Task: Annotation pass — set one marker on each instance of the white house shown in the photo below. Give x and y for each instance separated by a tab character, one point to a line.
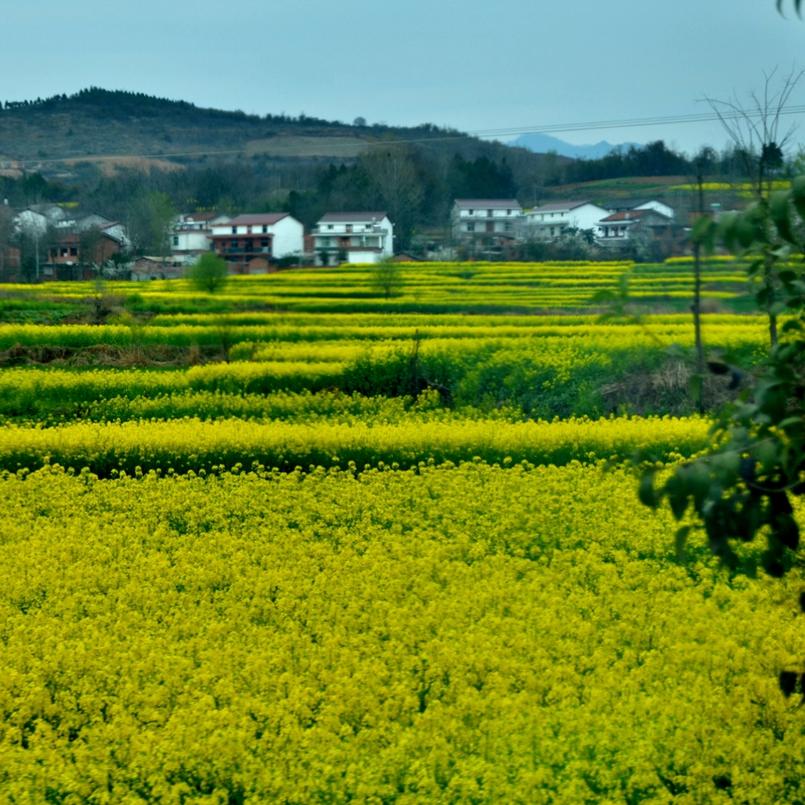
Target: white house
353	237
551	221
192	233
248	239
485	216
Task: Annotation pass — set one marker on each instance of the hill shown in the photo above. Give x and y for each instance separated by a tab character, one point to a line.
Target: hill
114	129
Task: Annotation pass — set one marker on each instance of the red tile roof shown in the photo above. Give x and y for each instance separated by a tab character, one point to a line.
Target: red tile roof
624	215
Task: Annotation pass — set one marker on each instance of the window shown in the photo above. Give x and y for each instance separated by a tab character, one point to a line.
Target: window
470	227
234	243
507	226
349	227
265	228
329	226
175	240
234	230
470	212
489	213
264	242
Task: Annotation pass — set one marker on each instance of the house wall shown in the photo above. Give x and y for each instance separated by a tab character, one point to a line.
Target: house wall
475	213
191	241
379	232
289	237
356	256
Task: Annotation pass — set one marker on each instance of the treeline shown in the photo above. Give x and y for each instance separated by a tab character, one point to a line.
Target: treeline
652	159
117	104
416	187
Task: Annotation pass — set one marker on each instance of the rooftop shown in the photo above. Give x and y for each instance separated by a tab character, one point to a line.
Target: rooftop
264	219
351	217
488	203
559	206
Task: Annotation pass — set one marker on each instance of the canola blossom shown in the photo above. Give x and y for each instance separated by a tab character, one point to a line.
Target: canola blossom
301	543
188	444
447	635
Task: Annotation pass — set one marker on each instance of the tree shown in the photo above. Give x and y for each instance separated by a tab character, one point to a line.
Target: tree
150	216
746	484
398	184
754	128
209	273
756	135
387	278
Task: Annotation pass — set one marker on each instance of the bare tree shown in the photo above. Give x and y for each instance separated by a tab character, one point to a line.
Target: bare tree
755	131
755	127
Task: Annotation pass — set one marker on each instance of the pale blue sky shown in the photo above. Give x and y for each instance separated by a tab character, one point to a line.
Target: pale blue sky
472	65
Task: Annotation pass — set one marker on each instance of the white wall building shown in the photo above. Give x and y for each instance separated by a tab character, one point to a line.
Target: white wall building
551	221
270	236
192	233
353	237
474	217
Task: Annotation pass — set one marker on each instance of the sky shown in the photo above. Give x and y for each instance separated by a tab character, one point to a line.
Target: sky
474	65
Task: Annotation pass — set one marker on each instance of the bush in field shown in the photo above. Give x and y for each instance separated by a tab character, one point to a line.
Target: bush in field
209	273
387	278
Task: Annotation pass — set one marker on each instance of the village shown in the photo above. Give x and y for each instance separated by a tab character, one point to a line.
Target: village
53	242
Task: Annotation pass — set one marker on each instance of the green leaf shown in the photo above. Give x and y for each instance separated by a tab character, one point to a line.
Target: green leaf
798	194
646	492
780	210
678	497
680	538
788	682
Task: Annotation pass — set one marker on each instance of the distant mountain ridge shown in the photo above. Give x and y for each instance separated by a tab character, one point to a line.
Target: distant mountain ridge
110	128
543	143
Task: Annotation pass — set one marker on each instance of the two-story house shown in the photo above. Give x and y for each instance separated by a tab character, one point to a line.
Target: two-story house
353	237
191	234
474	218
551	221
251	242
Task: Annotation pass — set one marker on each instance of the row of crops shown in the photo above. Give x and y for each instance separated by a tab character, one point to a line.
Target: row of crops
299	542
435	288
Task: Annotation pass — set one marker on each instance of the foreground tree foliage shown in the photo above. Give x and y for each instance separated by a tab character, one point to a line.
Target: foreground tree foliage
745	487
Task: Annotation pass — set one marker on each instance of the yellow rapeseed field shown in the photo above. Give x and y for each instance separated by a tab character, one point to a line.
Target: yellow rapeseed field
469	634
